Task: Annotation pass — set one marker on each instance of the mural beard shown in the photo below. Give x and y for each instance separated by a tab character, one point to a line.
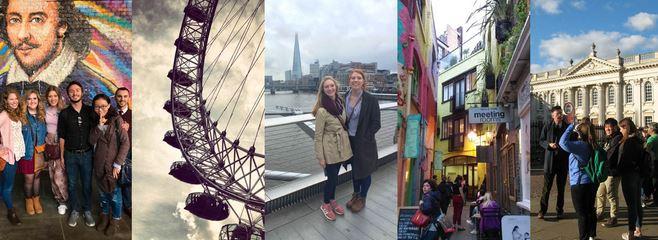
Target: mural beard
30	66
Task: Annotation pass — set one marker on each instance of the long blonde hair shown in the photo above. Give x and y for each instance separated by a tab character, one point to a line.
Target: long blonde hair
60	101
321	94
41	110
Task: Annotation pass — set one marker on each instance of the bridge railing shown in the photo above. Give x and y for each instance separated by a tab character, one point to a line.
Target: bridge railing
301	186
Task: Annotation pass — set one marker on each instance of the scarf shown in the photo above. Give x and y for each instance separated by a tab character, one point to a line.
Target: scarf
335	107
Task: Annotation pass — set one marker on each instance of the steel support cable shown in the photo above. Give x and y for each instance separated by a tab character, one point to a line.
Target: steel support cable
236	54
242	87
251	113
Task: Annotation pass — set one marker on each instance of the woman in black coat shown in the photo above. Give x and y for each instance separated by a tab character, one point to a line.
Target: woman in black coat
363	121
630	153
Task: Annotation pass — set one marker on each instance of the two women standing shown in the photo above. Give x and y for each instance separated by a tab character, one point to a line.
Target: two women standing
345	132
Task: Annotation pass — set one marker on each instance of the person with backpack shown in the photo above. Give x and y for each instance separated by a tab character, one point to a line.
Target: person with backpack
630	167
555	162
609	190
651	148
580	142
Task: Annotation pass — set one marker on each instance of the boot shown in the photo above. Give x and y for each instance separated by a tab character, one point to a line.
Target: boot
37	205
358	204
29	206
103	221
13	217
351	201
112	228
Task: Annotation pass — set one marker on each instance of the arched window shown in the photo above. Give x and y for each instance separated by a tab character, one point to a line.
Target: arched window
595	97
611	95
648	93
565	98
553	99
629	93
579	98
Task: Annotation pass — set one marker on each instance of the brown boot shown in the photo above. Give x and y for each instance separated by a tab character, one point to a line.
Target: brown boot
37	205
112	228
351	201
358	204
13	217
29	206
103	221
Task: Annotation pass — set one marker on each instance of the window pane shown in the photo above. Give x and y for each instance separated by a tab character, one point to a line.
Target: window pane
611	95
629	93
595	97
648	94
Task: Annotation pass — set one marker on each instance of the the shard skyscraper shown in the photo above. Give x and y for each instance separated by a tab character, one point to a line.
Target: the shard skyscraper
296	62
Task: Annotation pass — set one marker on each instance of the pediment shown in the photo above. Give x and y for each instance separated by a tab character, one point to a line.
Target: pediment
592	65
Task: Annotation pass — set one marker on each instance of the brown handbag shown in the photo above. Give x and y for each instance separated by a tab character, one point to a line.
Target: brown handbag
38	158
52	152
419	219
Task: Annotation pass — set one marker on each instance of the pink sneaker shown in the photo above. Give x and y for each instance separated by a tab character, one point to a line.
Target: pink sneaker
337	208
328	213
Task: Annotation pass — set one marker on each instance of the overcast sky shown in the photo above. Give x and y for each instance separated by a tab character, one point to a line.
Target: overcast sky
341	30
159	198
455	14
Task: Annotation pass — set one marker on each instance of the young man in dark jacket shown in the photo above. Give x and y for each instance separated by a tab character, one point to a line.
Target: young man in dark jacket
609	190
555	161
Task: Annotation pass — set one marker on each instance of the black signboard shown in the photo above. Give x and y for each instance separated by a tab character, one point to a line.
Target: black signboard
406	229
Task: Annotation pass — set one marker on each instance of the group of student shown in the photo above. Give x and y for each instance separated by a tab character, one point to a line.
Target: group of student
630	157
484	213
74	143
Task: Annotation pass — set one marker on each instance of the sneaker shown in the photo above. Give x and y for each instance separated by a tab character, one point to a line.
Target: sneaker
328	213
474	232
469	221
337	208
61	209
73	218
627	236
89	220
612	222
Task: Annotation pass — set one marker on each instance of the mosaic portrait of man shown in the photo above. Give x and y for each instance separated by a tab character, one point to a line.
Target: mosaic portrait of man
48	40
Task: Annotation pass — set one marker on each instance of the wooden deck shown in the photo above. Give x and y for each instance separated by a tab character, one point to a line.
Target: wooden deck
304	220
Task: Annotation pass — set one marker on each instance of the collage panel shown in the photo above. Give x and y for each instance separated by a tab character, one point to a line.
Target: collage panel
330	116
56	57
464	115
594	120
201	138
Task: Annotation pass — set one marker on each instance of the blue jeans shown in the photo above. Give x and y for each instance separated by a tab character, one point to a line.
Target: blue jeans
112	199
361	186
78	168
7	183
126	189
331	171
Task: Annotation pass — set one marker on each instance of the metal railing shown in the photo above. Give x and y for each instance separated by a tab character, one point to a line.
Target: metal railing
467	49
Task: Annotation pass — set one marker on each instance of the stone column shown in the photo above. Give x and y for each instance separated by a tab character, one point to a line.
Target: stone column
638	101
572	96
619	102
559	98
586	100
602	103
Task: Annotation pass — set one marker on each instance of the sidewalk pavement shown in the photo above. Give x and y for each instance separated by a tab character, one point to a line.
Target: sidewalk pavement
567	228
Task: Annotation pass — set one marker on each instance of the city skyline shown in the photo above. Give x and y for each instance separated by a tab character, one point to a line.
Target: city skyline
357	31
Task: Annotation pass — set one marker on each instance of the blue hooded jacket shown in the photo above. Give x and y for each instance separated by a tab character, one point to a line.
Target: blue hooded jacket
579	154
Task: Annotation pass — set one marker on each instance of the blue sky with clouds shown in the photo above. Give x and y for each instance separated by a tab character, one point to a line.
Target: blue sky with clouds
563	29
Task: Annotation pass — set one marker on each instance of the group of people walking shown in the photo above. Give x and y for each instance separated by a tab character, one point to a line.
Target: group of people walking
345	135
629	160
485	214
74	143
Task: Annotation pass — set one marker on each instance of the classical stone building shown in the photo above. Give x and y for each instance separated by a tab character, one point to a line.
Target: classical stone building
619	87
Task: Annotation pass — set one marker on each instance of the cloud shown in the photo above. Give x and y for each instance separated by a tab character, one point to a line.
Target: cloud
338	30
549	6
642	21
578	4
556	51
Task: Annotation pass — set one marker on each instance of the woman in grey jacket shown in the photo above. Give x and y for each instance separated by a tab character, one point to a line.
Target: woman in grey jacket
332	144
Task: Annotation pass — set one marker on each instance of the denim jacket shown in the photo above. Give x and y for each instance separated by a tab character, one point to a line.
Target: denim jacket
34	127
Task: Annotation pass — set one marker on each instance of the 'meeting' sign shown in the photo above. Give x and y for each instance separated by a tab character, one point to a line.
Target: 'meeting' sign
488	115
